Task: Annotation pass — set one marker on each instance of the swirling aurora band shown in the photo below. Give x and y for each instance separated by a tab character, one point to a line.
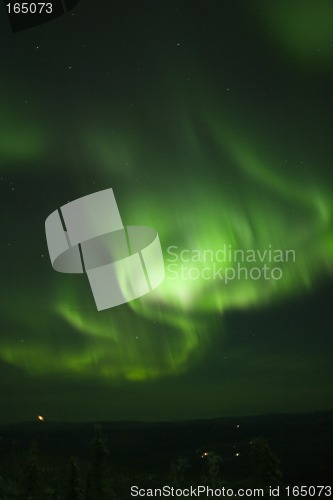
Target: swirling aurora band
175	322
186	160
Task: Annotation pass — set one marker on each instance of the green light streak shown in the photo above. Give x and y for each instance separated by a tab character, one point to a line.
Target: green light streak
238	197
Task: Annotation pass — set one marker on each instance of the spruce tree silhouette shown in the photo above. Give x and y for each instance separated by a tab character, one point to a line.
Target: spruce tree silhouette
75	491
98	477
31	486
266	465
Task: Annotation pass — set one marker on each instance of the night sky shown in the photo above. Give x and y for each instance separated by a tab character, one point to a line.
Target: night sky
212	122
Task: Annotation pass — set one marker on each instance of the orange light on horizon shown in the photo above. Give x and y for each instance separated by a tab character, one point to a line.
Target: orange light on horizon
41	418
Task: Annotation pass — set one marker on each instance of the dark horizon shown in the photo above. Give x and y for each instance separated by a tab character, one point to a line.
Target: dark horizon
295	445
277	415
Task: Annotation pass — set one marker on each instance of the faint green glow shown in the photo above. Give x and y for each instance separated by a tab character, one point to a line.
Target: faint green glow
20	137
24	144
111	152
303	28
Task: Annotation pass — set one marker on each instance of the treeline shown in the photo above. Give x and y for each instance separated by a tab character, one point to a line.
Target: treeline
33	477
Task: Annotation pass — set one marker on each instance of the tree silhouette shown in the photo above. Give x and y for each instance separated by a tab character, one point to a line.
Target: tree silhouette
266	464
178	472
98	479
75	491
212	477
31	487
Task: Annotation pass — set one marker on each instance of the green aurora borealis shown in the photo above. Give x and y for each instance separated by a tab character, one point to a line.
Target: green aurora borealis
212	124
